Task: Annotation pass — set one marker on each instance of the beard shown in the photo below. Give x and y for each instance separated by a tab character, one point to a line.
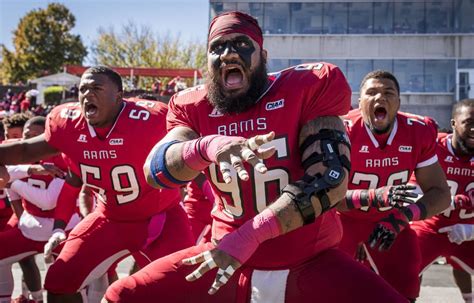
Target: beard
463	148
234	104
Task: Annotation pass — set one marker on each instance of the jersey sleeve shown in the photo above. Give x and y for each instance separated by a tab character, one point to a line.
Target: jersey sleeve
176	115
43	198
427	154
53	131
329	94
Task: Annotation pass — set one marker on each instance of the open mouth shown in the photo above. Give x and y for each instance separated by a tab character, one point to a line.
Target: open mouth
380	113
233	76
90	110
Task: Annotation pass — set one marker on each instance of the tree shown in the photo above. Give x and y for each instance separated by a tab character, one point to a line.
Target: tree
43	44
138	46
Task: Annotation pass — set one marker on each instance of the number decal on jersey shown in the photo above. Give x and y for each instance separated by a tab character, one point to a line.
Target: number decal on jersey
144	103
463	213
124	180
139	114
305	66
68	113
131	191
235	209
411	120
37	183
400	177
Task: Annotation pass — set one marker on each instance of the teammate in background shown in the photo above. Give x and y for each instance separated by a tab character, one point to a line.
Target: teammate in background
198	203
13	125
101	137
253	254
22	242
450	233
13	130
387	146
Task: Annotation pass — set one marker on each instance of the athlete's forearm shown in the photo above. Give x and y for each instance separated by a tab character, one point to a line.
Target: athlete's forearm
26	151
436	194
172	162
289	216
435	201
287	208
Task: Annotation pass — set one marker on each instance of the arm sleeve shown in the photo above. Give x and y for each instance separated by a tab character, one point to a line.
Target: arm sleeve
45	199
18	171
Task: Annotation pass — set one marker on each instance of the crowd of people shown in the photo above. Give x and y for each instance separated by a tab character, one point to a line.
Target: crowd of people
253	187
24	101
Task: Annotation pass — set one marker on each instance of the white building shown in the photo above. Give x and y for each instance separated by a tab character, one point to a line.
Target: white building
428	45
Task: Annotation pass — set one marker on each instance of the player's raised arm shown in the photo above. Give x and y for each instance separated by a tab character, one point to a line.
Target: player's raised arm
168	153
26	151
180	157
326	158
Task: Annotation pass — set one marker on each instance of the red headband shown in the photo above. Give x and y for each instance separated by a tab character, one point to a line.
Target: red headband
235	22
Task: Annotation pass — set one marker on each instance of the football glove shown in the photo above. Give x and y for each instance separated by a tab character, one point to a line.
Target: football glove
56	238
387	229
459	233
392	195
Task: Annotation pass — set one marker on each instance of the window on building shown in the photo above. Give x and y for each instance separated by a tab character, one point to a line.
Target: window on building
465	63
360	18
253	9
220	7
440	75
383	18
386	65
306	18
439	17
409	74
356	70
335	18
294	62
275	65
409	17
276	18
464	21
342	64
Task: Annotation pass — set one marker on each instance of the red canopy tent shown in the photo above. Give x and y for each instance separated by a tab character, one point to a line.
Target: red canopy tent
142	71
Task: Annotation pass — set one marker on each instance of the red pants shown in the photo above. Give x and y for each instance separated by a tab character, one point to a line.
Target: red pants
330	276
97	242
15	247
399	266
434	245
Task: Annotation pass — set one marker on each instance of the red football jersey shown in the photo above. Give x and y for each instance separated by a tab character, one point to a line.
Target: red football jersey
460	175
43	183
295	96
113	166
411	145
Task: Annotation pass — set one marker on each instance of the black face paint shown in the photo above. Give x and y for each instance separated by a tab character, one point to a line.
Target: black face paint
242	45
237	103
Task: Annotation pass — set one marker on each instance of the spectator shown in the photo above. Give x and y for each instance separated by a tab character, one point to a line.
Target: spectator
155	88
25	104
74	91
